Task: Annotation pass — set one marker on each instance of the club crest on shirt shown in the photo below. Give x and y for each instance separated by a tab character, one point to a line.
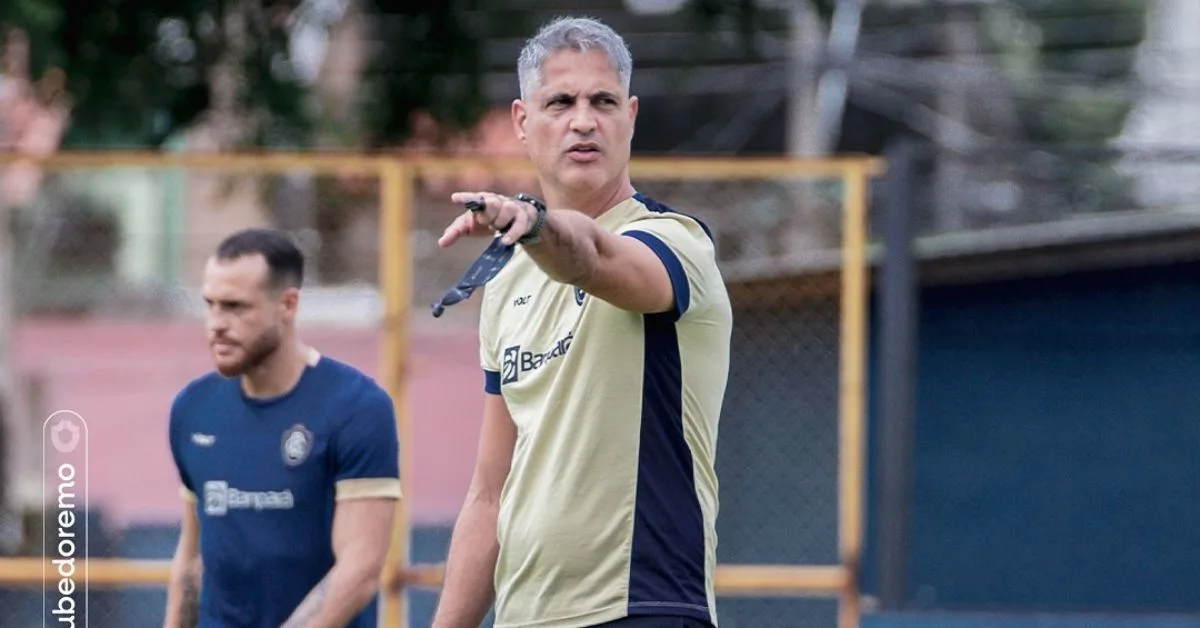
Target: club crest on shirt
580	295
297	443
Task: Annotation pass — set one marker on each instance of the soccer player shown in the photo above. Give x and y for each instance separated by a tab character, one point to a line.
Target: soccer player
289	461
605	349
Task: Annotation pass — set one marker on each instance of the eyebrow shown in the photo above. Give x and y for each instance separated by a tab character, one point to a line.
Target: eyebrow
596	95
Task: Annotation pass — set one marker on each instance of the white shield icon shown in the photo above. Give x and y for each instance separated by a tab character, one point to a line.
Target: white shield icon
64	435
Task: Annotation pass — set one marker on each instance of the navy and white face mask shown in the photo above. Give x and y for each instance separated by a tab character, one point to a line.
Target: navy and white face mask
486	266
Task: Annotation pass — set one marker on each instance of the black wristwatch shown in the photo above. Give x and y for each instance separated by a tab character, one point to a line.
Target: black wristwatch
532	237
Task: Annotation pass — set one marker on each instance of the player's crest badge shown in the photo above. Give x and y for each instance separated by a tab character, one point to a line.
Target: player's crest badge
580	295
297	443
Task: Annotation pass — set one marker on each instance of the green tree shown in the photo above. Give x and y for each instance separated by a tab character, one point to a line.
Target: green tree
140	70
1075	61
40	19
1070	64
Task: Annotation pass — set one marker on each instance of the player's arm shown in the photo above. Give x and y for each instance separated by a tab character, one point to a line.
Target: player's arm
361	532
183	589
468	590
574	249
367	475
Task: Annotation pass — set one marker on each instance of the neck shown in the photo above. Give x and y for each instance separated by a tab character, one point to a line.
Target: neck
592	203
279	373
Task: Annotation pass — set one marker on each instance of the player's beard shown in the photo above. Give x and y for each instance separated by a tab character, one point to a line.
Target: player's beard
257	352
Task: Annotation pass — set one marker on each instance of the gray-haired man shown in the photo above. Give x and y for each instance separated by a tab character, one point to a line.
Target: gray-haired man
605	348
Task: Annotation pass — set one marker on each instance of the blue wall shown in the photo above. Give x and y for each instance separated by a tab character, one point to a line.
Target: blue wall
1058	445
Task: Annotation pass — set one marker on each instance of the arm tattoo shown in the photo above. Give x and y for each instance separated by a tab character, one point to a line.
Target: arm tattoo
189	614
309	607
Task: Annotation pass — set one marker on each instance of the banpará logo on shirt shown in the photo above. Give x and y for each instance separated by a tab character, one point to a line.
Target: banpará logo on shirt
220	498
516	361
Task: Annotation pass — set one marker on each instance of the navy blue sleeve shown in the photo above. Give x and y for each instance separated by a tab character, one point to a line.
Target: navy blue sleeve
491	382
675	270
176	433
367	449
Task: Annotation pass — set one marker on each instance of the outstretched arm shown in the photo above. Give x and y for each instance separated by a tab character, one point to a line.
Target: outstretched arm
361	533
573	248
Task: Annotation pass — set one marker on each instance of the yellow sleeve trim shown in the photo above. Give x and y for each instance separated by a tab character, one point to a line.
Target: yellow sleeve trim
187	495
363	488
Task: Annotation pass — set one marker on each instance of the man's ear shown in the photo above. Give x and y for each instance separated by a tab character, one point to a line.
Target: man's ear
518	119
633	108
290	298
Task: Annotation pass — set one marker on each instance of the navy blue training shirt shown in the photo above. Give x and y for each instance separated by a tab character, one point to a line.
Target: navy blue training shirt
268	474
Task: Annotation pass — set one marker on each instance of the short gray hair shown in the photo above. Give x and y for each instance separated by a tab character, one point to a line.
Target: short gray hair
572	33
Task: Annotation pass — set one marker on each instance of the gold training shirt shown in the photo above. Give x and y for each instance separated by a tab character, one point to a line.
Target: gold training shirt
610	505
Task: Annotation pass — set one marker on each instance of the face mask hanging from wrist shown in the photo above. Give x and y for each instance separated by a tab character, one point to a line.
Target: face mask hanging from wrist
491	261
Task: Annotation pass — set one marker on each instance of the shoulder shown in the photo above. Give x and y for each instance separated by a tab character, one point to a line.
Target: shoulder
199	393
661	219
199	387
686	247
364	417
356	391
195	401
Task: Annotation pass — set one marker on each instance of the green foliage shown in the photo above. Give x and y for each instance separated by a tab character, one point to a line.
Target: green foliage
444	79
1069	62
141	70
40	19
1090	44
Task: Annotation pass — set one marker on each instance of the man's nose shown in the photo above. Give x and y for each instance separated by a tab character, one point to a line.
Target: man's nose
584	120
217	322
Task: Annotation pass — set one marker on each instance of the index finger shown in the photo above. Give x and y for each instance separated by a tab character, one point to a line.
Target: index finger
474	201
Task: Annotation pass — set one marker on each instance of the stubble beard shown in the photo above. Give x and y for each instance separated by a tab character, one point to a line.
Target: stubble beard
257	351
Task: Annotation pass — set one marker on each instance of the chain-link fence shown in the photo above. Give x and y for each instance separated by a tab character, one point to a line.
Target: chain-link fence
778	241
108	263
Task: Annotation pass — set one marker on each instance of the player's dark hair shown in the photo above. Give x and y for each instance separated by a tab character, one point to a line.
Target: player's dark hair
285	262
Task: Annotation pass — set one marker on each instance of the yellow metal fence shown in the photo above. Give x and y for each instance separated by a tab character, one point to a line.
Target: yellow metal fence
798	223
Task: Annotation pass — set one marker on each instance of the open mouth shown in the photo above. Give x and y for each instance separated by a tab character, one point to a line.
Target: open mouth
584	152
